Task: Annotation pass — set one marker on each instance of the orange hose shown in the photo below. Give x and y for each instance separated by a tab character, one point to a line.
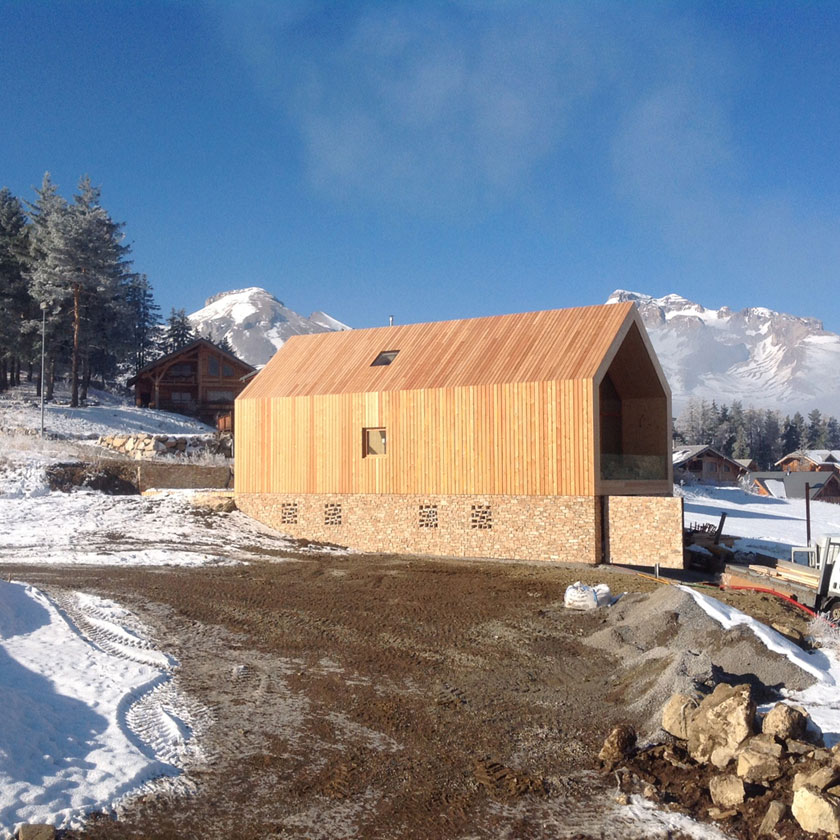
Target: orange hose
777	594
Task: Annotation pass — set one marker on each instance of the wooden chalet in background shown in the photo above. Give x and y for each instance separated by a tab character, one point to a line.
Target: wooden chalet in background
822	487
811	460
707	465
200	380
536	435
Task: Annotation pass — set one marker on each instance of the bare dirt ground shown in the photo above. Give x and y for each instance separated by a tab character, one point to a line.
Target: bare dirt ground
381	697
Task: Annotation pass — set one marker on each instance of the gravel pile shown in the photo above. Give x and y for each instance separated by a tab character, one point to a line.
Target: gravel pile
668	644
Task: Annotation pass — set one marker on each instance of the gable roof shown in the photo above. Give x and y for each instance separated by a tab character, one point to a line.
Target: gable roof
685	454
186	349
551	345
816	456
785	485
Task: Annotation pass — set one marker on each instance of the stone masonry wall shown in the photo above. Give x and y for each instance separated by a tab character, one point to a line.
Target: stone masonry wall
645	530
143	445
565	528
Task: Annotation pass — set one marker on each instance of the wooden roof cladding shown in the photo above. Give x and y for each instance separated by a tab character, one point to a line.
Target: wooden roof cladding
553	345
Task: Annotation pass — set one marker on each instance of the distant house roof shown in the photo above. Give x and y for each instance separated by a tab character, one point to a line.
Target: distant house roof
185	349
684	454
791	485
747	463
560	344
816	456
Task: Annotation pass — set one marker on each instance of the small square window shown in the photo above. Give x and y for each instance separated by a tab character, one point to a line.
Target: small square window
227	370
374	442
384	358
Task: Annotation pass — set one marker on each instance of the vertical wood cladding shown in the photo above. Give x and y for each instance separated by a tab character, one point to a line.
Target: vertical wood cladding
531	438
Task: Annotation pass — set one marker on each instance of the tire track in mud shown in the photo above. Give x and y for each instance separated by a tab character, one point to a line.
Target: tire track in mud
446	701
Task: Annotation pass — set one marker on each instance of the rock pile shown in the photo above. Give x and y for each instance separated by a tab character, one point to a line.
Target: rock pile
144	445
760	777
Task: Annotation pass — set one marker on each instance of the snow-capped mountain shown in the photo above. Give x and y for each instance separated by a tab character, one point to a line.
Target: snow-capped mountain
764	358
255	323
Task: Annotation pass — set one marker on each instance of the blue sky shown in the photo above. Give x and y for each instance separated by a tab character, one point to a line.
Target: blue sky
441	160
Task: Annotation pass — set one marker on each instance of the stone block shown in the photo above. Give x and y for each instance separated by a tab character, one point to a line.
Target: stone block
722	722
816	811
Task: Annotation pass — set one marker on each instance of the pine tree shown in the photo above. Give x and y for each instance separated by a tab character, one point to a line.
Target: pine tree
83	262
15	301
178	332
48	291
143	320
816	430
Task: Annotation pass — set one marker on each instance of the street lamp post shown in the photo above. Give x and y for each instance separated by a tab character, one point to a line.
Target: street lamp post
43	357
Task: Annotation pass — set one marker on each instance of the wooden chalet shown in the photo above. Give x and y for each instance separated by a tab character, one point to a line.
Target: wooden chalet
811	460
510	436
200	380
707	466
822	487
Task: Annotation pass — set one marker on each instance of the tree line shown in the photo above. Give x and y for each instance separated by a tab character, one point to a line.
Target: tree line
761	434
65	270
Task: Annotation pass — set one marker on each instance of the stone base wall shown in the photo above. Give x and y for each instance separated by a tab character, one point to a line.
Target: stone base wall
645	530
566	528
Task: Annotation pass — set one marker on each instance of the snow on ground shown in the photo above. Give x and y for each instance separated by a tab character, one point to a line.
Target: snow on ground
20	409
762	524
90	711
86	526
821	700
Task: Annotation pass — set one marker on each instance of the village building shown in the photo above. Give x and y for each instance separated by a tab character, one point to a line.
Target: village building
543	435
811	460
822	487
706	465
200	380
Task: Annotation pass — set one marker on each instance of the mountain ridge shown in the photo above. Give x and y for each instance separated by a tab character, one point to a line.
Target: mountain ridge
764	358
256	323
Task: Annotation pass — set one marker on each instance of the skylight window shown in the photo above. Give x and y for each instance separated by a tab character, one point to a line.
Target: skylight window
384	358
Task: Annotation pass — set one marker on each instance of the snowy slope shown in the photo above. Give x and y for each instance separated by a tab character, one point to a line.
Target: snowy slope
255	323
90	710
764	358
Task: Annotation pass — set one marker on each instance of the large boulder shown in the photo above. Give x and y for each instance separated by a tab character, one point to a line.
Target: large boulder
727	791
760	759
816	811
785	721
721	724
676	714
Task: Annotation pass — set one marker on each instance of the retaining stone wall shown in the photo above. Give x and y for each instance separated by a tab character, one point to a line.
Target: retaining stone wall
144	445
565	528
646	530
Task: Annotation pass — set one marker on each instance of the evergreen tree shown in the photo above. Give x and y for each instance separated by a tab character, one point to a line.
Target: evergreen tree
83	262
143	320
832	433
816	430
179	331
48	291
15	301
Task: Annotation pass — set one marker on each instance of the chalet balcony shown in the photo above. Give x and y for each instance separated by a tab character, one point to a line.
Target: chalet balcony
634	467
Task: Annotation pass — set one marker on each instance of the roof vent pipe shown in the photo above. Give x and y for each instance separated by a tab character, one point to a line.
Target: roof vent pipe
390	320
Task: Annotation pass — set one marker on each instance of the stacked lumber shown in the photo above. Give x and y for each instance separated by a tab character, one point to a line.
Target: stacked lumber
791	572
